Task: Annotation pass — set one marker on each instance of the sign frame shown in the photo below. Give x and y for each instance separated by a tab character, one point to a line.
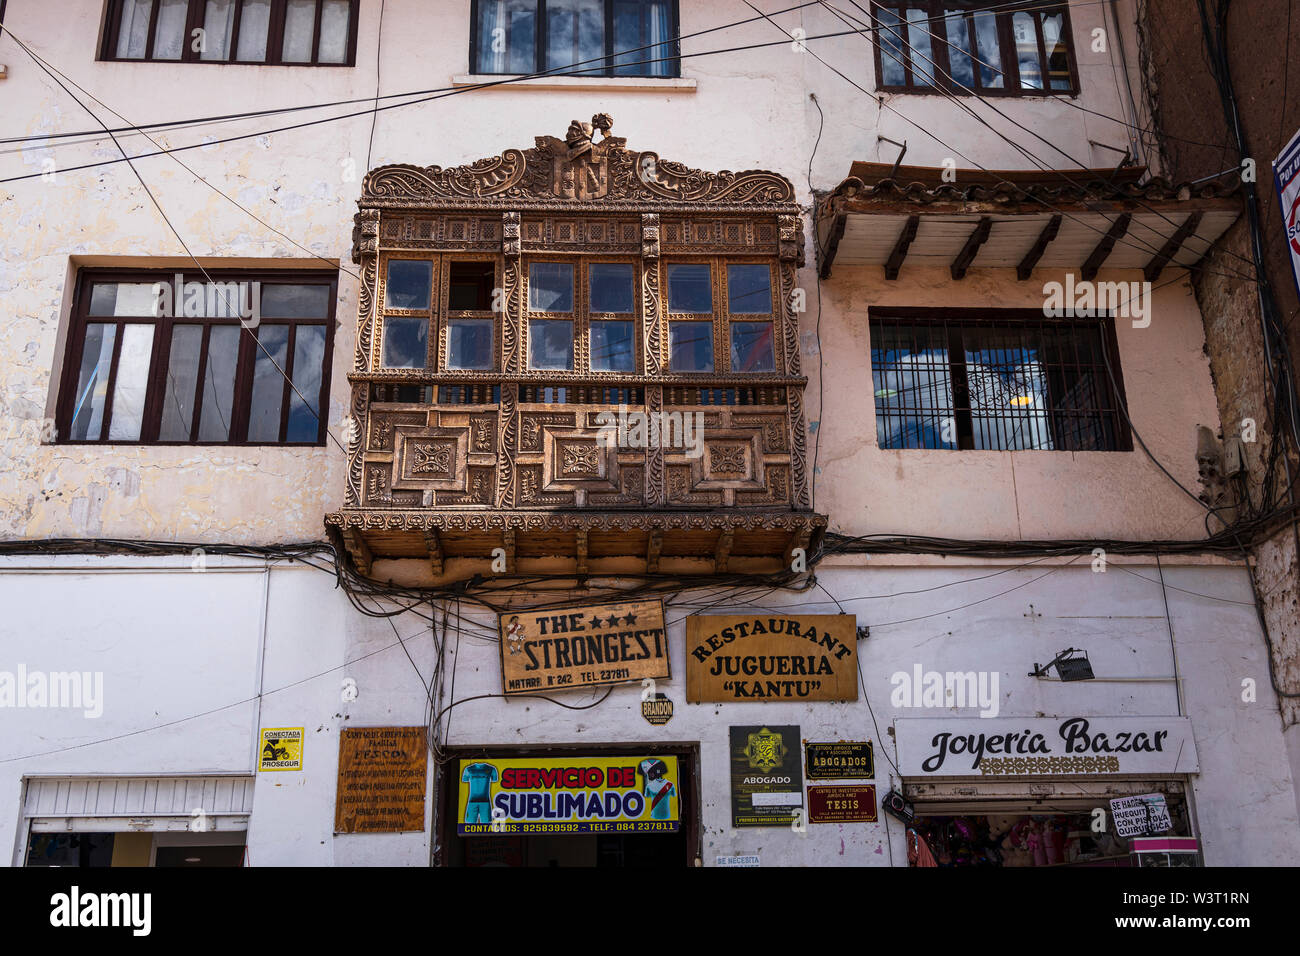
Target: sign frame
515	643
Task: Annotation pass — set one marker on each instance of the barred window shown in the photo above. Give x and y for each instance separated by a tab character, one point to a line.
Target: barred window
1008	380
974	46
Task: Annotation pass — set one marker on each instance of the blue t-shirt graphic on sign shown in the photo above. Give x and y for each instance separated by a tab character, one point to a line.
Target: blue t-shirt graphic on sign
479	776
657	788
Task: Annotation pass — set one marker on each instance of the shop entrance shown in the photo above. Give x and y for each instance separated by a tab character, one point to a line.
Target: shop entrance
990	829
603	806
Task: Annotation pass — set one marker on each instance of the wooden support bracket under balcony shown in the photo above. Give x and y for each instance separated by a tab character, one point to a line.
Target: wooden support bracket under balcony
721	556
434	544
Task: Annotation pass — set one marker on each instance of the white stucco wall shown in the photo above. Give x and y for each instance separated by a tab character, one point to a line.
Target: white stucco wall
173	644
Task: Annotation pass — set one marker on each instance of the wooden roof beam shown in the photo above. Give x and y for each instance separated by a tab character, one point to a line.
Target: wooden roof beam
1170	249
979	235
1045	237
832	244
1098	256
900	247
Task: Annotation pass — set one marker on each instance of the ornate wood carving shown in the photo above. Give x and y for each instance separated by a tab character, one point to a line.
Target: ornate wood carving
580	168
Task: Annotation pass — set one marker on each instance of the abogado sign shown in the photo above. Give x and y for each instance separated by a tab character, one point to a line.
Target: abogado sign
577	794
733	657
583	646
1044	746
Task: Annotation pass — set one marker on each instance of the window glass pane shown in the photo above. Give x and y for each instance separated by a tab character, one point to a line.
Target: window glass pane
133	32
169	35
642	24
749	289
408	284
751	347
131	383
988	50
334	31
1058	56
123	298
218	22
913	387
406	342
469	343
181	382
254	19
550	286
299	25
308	363
612	347
268	383
219	383
892	56
282	301
918	35
575	33
959	62
690	346
1008	389
1025	32
507	36
470	286
690	288
550	344
92	382
610	286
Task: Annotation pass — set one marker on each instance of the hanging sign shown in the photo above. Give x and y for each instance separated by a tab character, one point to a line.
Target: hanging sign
575	794
583	646
657	709
1144	815
842	804
766	776
844	760
1044	746
382	775
806	657
1286	178
281	749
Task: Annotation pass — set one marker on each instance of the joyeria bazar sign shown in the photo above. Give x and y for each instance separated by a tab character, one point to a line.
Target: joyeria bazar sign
1044	746
749	657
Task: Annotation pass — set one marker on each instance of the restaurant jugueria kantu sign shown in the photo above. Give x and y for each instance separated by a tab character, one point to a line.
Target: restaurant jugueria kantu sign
573	794
583	646
752	657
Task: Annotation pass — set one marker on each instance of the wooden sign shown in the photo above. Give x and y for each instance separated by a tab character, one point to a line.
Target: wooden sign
583	646
806	657
842	804
382	773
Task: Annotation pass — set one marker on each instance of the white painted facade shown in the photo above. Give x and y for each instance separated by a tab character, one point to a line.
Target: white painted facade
194	662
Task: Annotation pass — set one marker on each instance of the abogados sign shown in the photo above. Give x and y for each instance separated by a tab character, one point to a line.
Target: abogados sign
750	657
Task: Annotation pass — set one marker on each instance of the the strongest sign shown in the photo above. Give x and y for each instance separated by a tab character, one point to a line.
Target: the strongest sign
583	646
749	657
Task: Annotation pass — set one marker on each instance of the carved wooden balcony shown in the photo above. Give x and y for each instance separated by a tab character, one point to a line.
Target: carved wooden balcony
708	470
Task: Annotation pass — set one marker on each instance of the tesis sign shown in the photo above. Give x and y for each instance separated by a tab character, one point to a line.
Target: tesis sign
1044	746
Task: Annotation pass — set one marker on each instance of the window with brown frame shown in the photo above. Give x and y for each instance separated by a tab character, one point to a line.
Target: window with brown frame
441	312
974	47
1005	380
274	32
721	316
157	357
